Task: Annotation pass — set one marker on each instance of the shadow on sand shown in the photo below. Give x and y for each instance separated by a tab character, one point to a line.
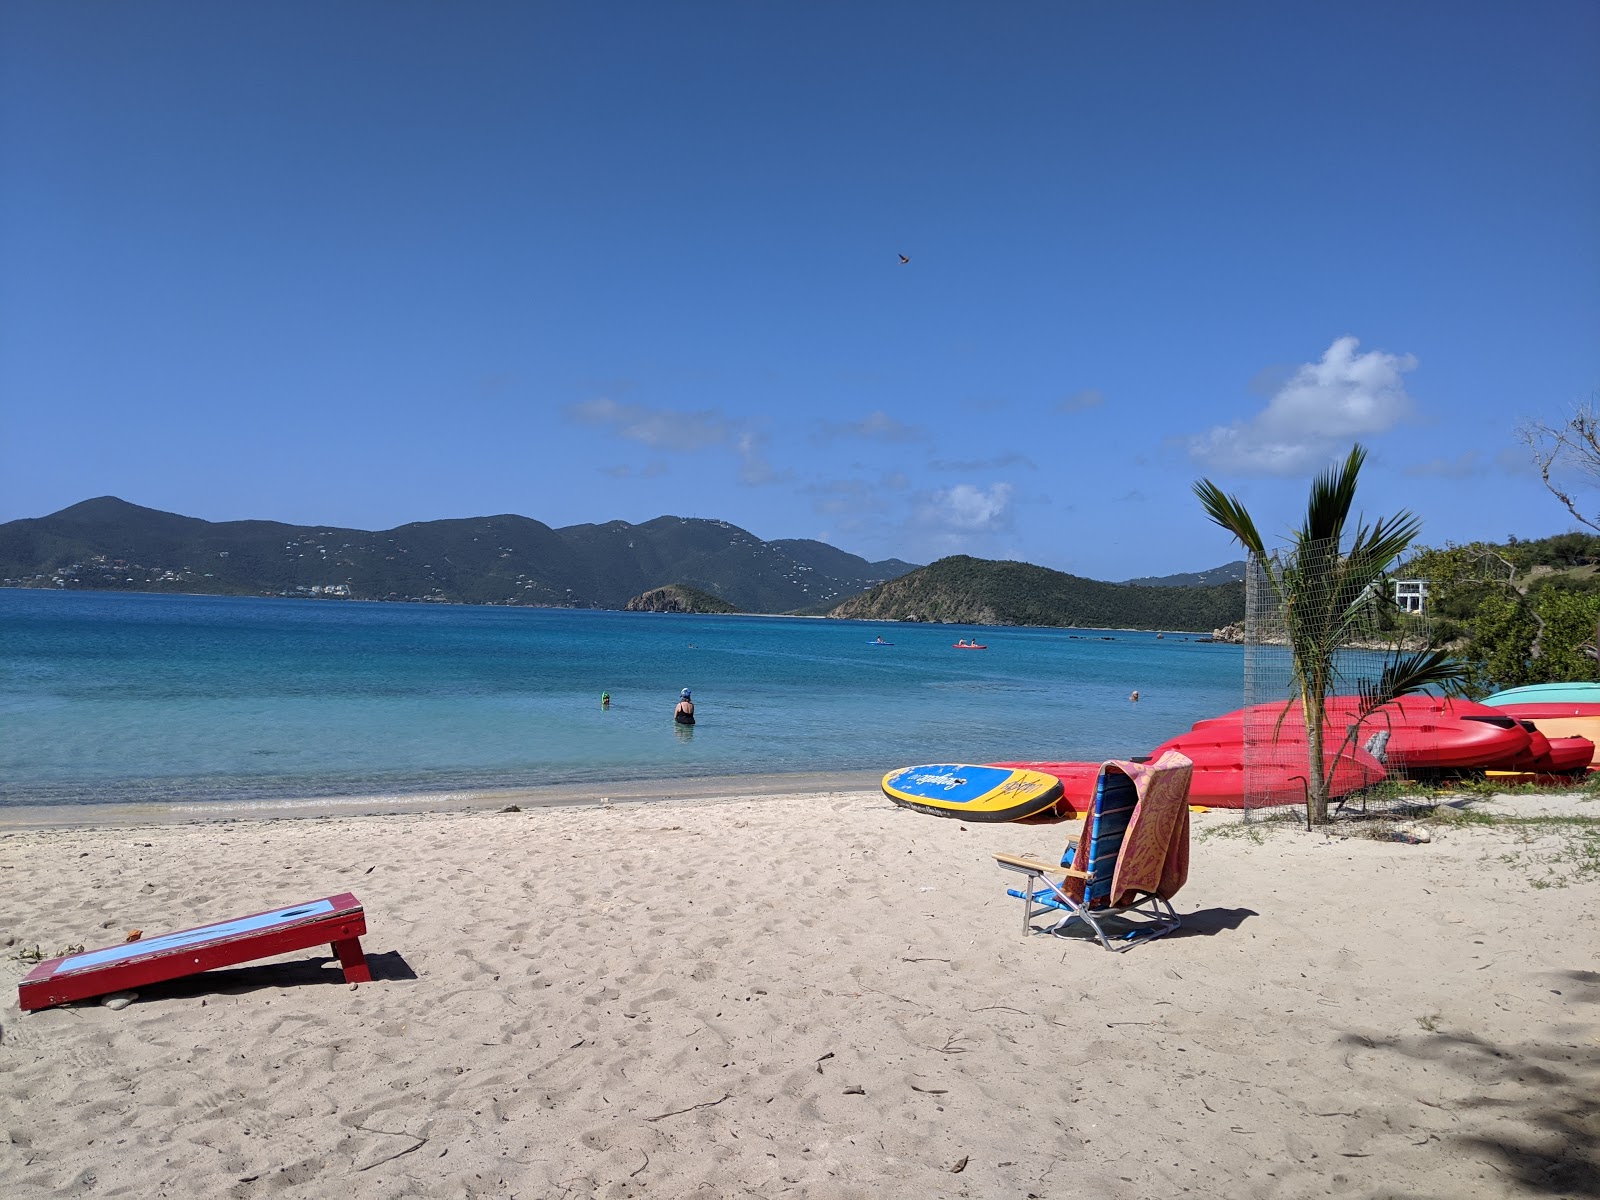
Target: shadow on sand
387	967
1535	1099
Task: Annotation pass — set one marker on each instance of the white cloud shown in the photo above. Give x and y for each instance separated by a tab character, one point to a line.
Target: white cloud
967	508
659	428
682	431
754	469
1314	415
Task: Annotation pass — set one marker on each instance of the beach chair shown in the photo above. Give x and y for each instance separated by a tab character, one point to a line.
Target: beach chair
1131	860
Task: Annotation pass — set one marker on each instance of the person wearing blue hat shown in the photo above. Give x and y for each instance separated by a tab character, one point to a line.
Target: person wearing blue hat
684	713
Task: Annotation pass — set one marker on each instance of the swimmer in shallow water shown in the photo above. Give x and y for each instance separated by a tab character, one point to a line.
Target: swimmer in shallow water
684	713
1135	696
605	699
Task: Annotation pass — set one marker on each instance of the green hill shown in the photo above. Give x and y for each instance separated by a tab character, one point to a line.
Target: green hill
108	543
1232	572
675	598
962	590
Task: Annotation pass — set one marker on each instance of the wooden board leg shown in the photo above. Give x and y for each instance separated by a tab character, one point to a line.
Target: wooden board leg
353	960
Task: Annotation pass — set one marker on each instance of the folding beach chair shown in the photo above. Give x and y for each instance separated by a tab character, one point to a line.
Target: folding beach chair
1131	861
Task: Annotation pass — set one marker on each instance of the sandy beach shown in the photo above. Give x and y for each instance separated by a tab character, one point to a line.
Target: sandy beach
815	995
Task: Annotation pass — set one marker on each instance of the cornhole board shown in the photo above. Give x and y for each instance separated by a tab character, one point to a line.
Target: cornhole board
336	921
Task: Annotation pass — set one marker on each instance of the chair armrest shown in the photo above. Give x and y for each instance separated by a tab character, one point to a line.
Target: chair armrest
1031	865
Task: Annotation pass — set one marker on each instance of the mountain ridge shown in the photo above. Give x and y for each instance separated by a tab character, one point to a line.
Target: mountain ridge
110	543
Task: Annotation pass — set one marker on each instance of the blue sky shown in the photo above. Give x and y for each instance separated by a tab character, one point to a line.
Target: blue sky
363	264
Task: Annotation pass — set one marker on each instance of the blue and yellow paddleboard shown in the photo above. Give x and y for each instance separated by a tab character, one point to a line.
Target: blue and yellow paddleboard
973	793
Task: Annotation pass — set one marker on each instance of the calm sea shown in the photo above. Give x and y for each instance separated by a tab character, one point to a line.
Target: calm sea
108	698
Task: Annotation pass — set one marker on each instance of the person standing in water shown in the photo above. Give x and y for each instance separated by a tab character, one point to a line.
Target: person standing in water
605	699
684	713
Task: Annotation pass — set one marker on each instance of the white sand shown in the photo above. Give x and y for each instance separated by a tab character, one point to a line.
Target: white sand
683	999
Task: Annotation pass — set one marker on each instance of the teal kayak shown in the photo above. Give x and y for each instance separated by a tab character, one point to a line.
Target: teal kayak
1547	693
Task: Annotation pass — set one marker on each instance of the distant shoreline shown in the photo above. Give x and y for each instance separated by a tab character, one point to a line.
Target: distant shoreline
12	587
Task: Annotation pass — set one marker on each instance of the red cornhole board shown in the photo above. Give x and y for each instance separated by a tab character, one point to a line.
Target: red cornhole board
338	921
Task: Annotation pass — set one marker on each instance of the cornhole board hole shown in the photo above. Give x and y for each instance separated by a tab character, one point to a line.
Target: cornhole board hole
336	921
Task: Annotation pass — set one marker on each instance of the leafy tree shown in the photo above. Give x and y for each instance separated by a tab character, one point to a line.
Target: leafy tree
1505	631
1328	587
1569	618
1527	629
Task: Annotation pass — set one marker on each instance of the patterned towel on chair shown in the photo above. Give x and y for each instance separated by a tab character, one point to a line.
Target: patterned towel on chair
1155	851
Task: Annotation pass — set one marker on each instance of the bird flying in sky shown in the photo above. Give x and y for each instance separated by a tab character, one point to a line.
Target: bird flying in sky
904	259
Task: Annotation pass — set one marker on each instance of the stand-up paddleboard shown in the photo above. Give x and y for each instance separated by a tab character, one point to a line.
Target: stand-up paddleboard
973	793
1078	782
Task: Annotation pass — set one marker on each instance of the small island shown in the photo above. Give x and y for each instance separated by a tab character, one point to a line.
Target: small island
679	598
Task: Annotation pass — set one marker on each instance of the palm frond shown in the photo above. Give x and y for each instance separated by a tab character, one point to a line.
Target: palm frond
1230	514
1332	494
1408	673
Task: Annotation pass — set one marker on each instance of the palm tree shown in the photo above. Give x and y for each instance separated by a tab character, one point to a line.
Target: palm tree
1328	593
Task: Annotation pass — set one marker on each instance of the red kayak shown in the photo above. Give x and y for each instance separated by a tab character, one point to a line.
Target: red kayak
1570	754
1218	779
1562	756
1217	752
967	646
1426	733
1535	758
1560	721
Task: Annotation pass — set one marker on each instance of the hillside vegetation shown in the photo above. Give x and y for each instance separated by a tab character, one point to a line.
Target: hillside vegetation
110	544
977	591
1518	611
1232	572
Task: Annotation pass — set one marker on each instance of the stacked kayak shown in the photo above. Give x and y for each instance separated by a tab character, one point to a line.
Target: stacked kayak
1218	752
1513	736
1422	733
1547	693
1564	712
1218	780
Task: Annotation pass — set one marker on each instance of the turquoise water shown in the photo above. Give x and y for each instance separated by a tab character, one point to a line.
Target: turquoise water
110	698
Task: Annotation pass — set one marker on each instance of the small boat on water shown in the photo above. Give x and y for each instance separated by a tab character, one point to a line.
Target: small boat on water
968	646
878	642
